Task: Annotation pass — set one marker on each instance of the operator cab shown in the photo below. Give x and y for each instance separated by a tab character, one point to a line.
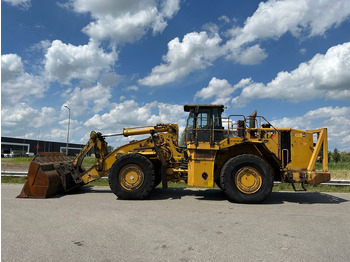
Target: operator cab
204	123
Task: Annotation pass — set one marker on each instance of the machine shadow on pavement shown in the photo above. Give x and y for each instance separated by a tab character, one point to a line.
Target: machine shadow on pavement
303	198
178	193
274	198
157	193
218	195
85	190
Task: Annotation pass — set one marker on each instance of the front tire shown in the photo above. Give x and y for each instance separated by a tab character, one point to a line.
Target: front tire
132	176
246	179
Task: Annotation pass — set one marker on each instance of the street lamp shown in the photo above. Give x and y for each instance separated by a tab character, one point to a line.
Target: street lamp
68	129
37	143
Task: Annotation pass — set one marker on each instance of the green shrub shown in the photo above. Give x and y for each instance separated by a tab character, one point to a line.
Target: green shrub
336	155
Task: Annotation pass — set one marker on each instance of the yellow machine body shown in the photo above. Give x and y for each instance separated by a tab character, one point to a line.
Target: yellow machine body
201	165
241	156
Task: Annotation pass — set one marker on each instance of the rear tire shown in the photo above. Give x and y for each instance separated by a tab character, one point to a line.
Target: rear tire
246	179
132	176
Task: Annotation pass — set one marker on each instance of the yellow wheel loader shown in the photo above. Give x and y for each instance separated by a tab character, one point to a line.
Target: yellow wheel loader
243	155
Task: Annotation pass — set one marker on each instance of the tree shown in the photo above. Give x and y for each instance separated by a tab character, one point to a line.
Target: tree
336	155
182	142
109	149
329	155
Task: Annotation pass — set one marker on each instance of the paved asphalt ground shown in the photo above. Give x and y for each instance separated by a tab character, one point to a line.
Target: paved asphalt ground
174	225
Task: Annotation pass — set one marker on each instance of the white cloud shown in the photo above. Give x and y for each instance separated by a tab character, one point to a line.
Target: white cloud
109	78
88	100
326	76
272	19
196	51
249	56
55	134
64	62
335	119
22	120
18	84
211	28
303	51
11	66
224	19
125	21
131	88
20	3
130	114
302	18
218	88
21	117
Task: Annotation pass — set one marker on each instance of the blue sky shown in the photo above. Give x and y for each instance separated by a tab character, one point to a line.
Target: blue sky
127	63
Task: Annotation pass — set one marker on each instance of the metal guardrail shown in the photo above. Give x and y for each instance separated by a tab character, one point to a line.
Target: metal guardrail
24	174
337	183
331	183
20	174
14	173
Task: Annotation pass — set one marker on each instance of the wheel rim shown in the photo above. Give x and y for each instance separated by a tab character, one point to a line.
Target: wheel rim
248	180
131	177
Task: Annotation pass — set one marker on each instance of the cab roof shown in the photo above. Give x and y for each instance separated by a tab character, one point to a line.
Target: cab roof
188	108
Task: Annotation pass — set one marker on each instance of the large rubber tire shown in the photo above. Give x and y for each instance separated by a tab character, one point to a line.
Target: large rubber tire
246	179
132	176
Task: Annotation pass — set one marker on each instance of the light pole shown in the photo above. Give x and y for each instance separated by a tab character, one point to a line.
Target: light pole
68	129
37	143
24	140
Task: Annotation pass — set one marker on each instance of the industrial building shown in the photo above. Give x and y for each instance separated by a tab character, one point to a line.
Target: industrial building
11	146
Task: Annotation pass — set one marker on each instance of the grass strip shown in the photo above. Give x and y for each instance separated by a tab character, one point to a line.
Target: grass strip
25	161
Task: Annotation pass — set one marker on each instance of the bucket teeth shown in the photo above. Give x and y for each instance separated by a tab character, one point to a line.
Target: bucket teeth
50	174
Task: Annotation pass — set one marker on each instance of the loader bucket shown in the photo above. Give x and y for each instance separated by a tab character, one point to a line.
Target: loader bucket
50	174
